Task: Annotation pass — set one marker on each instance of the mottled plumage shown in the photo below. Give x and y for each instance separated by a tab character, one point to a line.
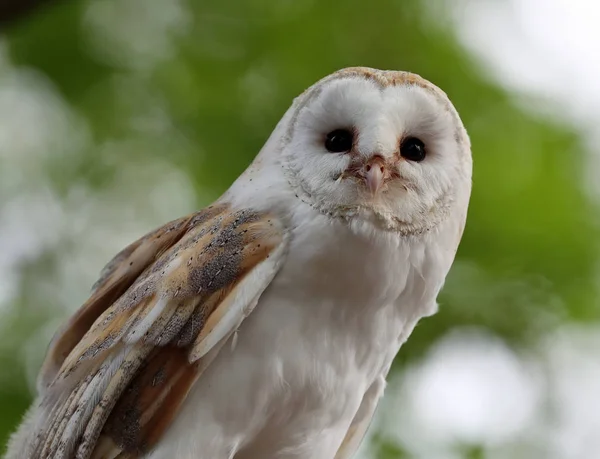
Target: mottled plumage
264	326
158	308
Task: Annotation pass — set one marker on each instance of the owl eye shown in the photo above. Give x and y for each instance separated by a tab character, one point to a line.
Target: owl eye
339	141
412	149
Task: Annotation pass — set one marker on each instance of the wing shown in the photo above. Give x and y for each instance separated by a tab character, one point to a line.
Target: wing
117	373
362	419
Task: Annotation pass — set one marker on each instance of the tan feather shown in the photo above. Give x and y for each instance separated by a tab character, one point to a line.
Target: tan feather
115	279
116	375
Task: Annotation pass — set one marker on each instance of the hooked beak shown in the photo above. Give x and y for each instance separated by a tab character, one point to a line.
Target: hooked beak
375	174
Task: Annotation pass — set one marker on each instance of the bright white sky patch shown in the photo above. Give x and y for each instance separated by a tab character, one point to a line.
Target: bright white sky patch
574	370
548	47
470	389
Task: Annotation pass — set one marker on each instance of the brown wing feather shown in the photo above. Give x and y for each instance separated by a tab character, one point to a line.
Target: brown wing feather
117	374
161	385
116	277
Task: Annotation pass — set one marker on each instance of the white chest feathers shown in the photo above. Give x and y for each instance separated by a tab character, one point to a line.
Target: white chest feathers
291	380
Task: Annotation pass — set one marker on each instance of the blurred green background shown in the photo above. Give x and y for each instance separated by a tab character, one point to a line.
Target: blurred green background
118	115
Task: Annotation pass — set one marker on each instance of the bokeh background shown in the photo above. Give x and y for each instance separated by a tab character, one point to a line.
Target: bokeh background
118	115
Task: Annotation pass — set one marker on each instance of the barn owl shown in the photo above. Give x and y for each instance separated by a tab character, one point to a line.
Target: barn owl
264	325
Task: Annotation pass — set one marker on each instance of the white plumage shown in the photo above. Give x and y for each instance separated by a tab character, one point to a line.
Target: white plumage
360	244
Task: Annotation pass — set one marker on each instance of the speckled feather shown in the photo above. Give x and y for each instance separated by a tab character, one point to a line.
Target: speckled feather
151	304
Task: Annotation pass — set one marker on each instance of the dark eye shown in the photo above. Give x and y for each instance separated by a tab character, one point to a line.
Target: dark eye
339	141
412	149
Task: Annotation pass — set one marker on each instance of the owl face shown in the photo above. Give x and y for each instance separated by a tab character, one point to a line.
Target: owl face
374	144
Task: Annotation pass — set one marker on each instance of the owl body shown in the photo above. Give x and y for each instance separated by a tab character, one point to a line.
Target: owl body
264	326
323	333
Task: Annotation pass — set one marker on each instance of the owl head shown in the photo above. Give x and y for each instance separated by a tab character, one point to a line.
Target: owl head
383	146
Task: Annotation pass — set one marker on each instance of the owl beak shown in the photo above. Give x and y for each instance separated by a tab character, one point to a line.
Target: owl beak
374	173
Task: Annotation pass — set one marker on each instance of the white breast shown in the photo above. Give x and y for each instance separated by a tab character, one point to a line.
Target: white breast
326	327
